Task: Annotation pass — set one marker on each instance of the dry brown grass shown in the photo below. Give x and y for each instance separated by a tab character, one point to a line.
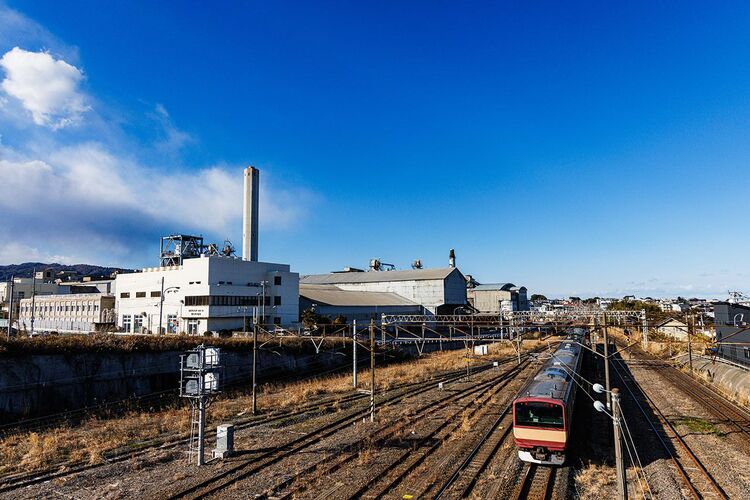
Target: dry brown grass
76	344
91	440
594	482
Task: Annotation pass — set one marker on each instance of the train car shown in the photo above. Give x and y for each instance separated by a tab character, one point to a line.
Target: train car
543	409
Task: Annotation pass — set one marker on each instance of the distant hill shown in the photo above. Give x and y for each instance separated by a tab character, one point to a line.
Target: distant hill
25	270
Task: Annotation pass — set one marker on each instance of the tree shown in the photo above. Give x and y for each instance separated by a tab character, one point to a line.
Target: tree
309	318
537	296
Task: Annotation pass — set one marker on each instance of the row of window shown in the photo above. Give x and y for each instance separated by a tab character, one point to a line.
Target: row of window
230	300
134	324
140	295
50	308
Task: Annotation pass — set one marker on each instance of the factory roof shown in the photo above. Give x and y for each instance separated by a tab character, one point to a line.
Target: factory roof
378	276
335	296
495	286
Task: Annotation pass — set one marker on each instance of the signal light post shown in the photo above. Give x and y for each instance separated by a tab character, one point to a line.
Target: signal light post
199	380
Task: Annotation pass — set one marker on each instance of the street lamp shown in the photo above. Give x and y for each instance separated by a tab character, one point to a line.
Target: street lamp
622	483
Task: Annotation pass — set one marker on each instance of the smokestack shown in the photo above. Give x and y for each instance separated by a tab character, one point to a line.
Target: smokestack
452	258
250	215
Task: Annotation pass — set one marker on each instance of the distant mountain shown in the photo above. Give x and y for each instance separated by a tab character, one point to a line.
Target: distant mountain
25	270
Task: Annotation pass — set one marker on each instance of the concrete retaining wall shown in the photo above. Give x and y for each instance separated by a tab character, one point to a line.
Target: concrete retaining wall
730	379
36	385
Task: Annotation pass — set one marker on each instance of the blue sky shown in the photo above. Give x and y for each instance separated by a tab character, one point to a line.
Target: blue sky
578	148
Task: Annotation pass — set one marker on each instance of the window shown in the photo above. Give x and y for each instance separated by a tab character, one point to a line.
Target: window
125	295
196	300
137	323
172	323
277	280
21	295
156	294
192	327
277	300
140	295
277	321
747	353
127	323
539	414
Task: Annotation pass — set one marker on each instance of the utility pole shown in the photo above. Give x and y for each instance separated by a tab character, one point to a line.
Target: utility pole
372	370
161	306
690	346
255	362
263	302
33	299
10	306
354	353
606	361
622	481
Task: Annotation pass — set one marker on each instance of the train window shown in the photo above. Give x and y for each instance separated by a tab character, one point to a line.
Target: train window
539	414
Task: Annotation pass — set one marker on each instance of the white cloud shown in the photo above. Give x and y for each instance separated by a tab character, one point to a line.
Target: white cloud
174	138
46	87
86	200
16	252
88	195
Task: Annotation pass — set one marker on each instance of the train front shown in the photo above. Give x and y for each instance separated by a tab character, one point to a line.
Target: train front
539	428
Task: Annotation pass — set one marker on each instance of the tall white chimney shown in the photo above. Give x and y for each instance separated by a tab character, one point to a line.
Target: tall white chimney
250	215
452	258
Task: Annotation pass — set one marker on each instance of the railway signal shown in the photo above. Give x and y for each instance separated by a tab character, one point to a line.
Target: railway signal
199	381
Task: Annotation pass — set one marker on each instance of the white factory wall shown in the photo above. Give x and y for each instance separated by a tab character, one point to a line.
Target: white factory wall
428	293
67	313
201	277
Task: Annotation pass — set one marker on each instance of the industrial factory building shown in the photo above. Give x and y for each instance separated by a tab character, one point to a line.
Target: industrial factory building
436	291
201	288
67	313
333	302
492	298
205	294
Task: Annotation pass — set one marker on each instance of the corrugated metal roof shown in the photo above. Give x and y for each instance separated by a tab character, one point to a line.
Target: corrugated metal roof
495	286
335	296
376	276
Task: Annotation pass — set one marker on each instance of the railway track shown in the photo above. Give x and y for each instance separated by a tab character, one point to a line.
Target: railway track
247	468
14	482
709	482
463	480
731	414
402	469
537	483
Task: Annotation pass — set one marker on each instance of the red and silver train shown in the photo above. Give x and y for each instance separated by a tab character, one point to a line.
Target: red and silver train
543	409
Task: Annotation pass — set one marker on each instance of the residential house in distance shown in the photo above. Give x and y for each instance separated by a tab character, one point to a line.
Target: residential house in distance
732	323
673	328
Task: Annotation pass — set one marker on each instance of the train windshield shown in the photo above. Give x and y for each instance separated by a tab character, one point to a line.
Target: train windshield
539	414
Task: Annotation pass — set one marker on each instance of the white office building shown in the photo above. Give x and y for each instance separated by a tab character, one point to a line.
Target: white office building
206	294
